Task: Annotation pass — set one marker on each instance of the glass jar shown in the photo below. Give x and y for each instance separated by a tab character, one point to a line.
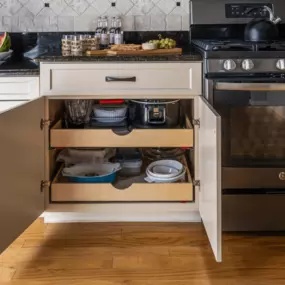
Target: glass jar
84	42
76	45
66	43
93	43
66	53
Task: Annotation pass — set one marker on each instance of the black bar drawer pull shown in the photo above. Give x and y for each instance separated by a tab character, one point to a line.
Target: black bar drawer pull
120	79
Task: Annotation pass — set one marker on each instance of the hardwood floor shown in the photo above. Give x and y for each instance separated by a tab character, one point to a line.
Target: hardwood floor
139	254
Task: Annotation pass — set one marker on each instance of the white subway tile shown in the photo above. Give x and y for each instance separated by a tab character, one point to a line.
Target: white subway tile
158	22
173	23
142	23
65	23
81	15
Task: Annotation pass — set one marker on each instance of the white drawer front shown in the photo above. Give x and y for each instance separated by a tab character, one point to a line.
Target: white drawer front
121	79
19	88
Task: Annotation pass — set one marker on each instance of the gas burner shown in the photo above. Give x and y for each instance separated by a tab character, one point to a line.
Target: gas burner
234	45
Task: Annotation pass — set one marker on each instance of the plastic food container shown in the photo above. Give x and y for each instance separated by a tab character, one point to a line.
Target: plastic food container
130	161
131	168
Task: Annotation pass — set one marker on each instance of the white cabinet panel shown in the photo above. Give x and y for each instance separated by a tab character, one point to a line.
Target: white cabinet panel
7	105
19	88
160	79
209	172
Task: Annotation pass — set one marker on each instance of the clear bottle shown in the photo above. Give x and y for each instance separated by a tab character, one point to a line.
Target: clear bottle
104	33
118	31
112	31
99	28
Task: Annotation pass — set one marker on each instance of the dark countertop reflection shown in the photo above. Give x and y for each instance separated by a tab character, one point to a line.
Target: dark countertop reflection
18	65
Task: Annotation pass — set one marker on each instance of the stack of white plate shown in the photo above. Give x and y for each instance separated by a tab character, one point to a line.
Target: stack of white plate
110	113
165	171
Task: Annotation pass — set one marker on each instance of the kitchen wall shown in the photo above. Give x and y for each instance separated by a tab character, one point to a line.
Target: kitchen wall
81	15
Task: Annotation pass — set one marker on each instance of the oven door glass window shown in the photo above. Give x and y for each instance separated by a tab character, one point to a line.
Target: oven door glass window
253	123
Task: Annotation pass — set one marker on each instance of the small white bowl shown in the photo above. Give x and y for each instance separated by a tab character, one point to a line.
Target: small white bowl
165	168
149	46
152	179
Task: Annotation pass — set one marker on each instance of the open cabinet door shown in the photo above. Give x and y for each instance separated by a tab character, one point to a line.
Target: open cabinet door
209	172
21	169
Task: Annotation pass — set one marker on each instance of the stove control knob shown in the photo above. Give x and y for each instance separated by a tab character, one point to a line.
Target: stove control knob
280	64
229	65
247	64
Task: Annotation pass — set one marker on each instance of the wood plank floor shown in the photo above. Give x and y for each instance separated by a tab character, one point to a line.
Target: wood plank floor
139	254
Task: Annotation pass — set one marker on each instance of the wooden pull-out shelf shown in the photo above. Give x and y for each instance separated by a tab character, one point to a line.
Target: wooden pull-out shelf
64	191
107	138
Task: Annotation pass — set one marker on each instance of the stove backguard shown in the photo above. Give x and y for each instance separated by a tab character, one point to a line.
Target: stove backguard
218	8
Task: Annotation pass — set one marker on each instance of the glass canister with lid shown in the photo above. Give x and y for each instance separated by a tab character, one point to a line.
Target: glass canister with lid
76	45
66	45
93	43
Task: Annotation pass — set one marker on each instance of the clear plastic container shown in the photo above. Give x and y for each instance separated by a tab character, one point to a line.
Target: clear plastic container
131	168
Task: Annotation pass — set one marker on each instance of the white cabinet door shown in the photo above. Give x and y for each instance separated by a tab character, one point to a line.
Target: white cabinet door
209	171
21	169
7	105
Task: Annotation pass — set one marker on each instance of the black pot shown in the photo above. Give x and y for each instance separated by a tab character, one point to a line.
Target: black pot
260	30
155	113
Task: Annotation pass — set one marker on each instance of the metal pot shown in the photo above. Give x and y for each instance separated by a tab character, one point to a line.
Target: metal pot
262	30
155	113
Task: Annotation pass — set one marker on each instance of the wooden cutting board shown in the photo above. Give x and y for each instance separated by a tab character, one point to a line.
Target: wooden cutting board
173	51
97	52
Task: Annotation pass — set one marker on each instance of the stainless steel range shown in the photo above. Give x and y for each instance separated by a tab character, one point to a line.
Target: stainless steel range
245	83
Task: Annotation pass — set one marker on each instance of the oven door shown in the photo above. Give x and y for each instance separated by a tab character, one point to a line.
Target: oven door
253	153
253	133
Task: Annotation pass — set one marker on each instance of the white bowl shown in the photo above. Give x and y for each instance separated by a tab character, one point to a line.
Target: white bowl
165	168
152	179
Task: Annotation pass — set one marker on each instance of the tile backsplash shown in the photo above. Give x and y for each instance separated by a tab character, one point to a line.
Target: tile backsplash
81	15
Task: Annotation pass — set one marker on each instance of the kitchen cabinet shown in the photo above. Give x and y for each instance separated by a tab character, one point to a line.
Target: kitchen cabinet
15	91
32	132
161	80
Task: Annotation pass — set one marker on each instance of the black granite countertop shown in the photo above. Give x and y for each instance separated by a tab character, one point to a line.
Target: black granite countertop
45	47
19	72
19	66
58	57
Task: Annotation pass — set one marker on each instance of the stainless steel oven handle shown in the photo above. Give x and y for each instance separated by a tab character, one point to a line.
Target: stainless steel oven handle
250	86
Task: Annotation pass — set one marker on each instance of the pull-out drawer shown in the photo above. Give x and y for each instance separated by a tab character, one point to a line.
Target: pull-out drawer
108	138
130	79
63	191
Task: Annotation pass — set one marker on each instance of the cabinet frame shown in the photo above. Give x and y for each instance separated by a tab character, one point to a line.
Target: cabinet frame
210	127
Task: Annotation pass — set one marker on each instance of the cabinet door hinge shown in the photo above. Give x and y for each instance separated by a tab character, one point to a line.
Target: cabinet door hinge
44	184
196	122
44	123
196	183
